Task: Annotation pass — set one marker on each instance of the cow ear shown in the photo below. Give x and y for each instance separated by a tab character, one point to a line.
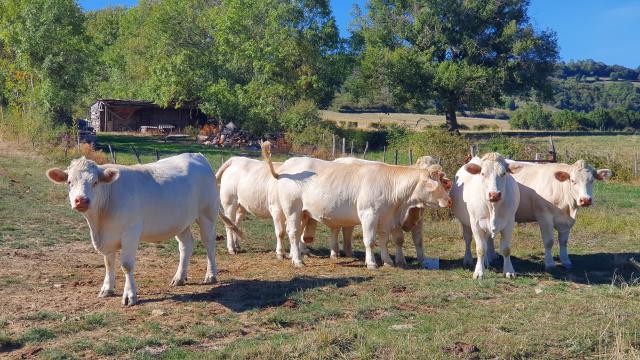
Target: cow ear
57	176
473	169
109	175
562	176
603	174
514	168
446	183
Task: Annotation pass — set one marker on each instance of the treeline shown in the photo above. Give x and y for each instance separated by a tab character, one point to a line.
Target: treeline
596	69
533	116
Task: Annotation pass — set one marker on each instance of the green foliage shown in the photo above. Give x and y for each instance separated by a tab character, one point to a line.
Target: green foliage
568	120
37	335
531	116
586	97
509	147
301	115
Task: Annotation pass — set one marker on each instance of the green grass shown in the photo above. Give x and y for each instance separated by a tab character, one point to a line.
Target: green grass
263	308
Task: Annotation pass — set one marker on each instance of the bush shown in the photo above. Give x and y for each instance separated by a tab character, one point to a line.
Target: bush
567	120
300	116
32	127
531	116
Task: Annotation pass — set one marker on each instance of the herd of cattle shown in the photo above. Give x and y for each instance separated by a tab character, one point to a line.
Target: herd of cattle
124	205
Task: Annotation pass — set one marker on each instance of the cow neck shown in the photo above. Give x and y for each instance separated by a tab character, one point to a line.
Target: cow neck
95	214
405	190
567	203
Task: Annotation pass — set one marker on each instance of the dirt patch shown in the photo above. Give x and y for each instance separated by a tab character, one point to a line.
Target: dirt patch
460	349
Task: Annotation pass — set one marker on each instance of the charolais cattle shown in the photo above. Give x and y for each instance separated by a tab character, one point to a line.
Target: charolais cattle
124	205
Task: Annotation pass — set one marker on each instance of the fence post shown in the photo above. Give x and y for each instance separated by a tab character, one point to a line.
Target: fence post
135	152
366	147
635	165
410	157
351	147
395	157
552	150
113	157
537	158
384	154
157	155
344	151
221	159
333	147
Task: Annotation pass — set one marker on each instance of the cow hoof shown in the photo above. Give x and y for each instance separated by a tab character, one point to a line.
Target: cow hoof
468	263
372	266
298	264
567	265
280	256
333	256
549	267
402	264
178	282
478	275
348	254
209	279
388	265
106	293
129	300
510	275
231	251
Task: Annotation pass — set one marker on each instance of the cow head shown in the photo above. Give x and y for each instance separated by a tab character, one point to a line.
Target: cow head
434	187
84	178
580	177
493	170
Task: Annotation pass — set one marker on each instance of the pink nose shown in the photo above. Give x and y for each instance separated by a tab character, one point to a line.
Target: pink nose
495	196
81	203
585	201
449	203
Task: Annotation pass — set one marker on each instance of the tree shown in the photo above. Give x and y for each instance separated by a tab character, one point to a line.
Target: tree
531	116
464	54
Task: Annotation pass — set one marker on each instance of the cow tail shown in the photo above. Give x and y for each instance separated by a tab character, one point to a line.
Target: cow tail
223	167
230	225
266	155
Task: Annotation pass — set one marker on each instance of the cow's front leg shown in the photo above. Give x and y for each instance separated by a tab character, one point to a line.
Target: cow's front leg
467	234
563	239
129	248
207	226
109	283
480	237
335	250
369	224
546	231
491	255
185	245
505	249
347	236
398	239
383	239
416	234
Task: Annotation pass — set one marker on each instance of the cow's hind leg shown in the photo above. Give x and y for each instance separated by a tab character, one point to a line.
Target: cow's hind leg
398	239
369	223
347	237
241	214
231	211
335	251
294	230
281	232
130	240
546	231
383	239
207	226
563	239
109	283
505	249
416	234
185	245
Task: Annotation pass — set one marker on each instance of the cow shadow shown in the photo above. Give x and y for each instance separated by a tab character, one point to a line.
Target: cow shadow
243	295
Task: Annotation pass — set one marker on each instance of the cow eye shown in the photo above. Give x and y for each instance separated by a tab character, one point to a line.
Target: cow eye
69	183
95	183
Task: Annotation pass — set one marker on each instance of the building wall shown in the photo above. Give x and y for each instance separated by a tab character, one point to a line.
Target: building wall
110	117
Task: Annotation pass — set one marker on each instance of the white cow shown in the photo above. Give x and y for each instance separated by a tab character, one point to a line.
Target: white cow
413	221
485	199
551	194
377	196
124	205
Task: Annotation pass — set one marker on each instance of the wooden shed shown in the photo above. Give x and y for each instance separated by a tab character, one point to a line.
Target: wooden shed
130	115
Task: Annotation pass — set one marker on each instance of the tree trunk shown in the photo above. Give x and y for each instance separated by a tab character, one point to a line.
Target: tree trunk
452	121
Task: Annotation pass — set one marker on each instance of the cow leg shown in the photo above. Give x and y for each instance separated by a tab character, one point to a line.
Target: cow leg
241	214
335	251
383	239
208	234
185	245
491	252
129	248
563	239
347	236
480	237
416	234
505	249
308	235
467	234
398	237
546	231
369	224
230	210
294	230
281	232
110	276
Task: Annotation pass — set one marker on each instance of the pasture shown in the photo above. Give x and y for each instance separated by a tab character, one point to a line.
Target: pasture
264	308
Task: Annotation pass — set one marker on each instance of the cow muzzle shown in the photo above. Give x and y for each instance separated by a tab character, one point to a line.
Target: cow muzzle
81	204
495	196
584	201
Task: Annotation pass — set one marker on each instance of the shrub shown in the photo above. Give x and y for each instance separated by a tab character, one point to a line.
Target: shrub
567	120
300	116
531	116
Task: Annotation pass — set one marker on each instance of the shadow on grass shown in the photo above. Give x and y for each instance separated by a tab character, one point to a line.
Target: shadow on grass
244	295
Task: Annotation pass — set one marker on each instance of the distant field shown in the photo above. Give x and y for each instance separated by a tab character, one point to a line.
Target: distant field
413	121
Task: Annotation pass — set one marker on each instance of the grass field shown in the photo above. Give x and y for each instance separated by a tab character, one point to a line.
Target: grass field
264	308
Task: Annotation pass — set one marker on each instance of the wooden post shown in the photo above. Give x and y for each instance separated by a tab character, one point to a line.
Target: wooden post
410	157
366	147
344	151
552	151
384	154
135	152
635	165
333	147
157	155
113	156
537	158
395	157
351	148
221	160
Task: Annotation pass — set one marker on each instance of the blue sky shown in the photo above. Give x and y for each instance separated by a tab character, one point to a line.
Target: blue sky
603	30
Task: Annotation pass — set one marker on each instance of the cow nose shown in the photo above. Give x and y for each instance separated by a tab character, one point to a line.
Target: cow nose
81	202
585	201
495	196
